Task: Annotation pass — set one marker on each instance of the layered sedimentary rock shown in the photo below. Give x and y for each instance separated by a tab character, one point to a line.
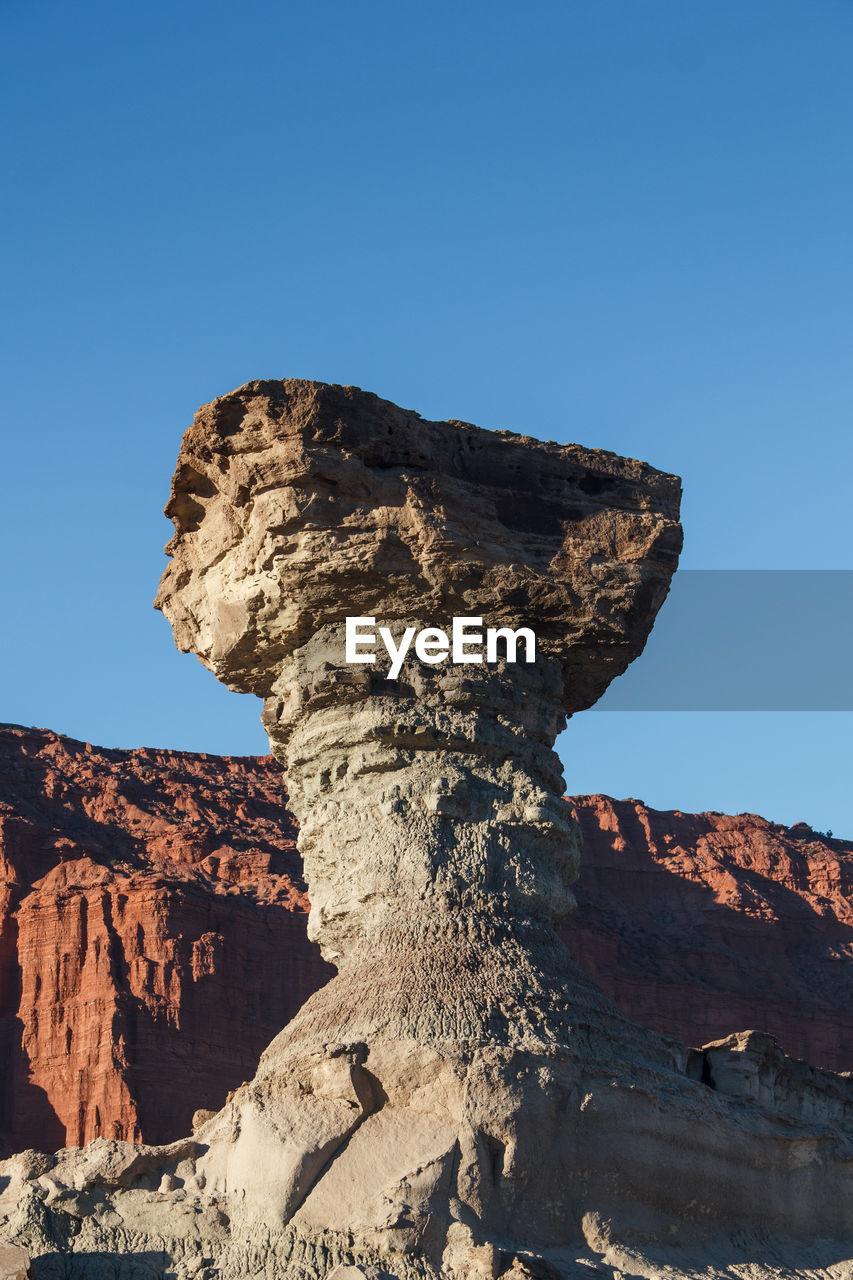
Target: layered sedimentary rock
459	1099
698	925
152	935
185	871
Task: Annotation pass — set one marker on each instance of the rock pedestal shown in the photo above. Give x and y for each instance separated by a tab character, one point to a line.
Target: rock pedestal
459	1100
436	845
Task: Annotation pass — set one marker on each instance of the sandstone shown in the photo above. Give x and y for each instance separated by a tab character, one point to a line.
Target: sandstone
459	1083
201	1117
356	1273
700	925
696	925
14	1262
135	988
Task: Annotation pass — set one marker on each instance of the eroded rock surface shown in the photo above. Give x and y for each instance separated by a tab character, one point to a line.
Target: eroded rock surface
184	871
152	935
459	1100
701	924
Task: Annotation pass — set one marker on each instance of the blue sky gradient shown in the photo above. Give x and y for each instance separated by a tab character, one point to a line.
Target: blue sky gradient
626	224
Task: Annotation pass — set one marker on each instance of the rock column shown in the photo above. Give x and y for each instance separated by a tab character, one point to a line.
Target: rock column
460	1095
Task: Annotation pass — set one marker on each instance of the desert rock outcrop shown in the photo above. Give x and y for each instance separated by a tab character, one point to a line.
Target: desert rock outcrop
459	1099
152	935
696	925
700	924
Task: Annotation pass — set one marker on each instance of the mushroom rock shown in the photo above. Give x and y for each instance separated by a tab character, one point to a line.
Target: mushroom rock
459	1100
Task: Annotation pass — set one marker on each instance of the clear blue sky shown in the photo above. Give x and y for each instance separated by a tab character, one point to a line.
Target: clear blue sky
622	223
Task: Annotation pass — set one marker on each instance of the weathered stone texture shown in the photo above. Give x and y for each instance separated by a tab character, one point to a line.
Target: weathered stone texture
459	1100
696	925
152	935
296	504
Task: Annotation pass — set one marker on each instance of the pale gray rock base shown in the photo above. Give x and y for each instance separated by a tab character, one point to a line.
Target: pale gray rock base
64	1249
607	1166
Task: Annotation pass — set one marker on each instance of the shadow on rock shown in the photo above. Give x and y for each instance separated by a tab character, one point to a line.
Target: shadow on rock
151	1264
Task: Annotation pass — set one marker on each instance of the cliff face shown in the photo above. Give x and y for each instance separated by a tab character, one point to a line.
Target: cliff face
153	932
700	924
152	935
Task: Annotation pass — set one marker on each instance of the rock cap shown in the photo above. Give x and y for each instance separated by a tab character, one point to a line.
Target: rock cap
297	503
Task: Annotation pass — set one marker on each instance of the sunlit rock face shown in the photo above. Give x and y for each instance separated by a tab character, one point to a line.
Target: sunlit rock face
460	1100
152	935
298	504
437	848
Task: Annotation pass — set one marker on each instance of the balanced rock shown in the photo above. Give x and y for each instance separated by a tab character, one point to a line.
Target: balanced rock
459	1100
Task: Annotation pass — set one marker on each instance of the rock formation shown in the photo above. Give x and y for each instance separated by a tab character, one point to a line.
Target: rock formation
698	925
152	935
459	1100
185	871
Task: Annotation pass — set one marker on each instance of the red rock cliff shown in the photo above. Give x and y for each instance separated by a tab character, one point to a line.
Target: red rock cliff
152	932
152	935
703	924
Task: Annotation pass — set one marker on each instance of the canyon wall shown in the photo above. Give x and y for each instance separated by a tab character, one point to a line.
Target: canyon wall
153	932
698	925
152	935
